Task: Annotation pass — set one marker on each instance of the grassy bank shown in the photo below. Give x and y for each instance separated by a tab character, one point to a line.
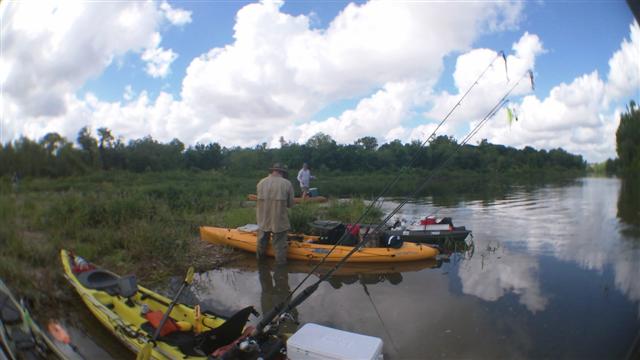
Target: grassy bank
145	224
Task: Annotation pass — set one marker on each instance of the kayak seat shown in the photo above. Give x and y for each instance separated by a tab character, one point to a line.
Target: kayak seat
226	333
127	286
9	313
98	279
192	344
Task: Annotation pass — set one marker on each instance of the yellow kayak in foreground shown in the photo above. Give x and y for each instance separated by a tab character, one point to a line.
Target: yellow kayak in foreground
307	250
119	304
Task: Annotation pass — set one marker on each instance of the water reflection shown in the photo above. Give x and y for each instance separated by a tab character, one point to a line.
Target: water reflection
554	274
629	205
579	223
497	272
275	290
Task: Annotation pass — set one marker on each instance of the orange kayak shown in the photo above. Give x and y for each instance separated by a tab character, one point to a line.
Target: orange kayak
297	200
308	250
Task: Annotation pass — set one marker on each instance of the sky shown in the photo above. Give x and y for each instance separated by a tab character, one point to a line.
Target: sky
246	73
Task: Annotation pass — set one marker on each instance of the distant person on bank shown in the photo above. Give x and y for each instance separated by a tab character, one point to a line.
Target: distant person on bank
304	178
275	196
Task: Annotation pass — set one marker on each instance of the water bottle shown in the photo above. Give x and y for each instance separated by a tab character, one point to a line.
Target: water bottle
81	264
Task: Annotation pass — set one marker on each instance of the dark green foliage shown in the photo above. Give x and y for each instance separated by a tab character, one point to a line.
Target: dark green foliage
611	166
628	139
54	156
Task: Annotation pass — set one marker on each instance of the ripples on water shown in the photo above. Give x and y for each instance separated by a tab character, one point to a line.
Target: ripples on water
555	273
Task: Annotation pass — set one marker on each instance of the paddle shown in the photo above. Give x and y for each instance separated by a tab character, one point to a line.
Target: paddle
145	353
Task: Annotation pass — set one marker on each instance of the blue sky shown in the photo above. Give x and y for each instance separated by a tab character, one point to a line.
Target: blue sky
300	67
580	37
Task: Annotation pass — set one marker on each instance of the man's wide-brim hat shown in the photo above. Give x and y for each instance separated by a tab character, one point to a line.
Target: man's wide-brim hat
279	167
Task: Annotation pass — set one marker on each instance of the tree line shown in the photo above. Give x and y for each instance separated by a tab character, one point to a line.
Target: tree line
54	156
627	143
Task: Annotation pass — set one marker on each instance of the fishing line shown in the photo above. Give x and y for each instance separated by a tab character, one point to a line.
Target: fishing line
285	307
400	173
278	308
474	131
375	308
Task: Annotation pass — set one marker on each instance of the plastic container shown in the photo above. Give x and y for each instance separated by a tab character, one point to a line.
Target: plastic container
313	192
315	342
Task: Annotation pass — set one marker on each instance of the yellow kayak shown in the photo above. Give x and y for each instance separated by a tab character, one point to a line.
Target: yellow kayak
308	250
119	304
297	200
20	336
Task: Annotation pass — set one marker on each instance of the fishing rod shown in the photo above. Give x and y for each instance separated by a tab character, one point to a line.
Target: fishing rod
400	173
466	139
289	304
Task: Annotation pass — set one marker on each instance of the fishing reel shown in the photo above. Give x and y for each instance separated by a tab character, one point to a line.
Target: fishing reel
273	328
286	317
263	347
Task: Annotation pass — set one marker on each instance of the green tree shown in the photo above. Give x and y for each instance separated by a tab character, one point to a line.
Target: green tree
628	139
89	146
367	142
52	142
320	140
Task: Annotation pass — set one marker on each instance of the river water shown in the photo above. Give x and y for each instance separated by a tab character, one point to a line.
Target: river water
554	273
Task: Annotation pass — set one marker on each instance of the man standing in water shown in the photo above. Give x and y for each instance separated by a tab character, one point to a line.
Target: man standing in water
304	178
275	196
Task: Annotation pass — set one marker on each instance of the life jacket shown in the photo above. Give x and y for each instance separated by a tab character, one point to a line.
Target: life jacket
154	317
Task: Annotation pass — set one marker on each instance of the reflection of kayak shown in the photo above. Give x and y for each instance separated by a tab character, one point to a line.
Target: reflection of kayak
20	336
347	269
307	250
118	303
297	200
428	236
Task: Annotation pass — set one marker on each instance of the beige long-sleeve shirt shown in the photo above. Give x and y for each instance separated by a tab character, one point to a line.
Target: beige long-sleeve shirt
275	195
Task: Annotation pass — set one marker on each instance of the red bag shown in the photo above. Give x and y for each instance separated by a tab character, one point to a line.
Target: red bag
428	221
353	229
155	317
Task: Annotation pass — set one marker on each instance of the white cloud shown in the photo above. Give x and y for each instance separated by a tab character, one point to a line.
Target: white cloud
157	58
51	49
177	17
375	115
575	116
624	67
492	86
280	70
570	117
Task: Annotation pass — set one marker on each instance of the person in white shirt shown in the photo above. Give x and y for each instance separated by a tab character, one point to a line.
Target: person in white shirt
304	178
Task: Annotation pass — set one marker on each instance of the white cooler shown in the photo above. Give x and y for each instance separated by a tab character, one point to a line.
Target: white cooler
315	342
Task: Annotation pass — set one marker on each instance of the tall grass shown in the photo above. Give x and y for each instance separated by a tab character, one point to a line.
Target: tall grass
148	223
131	223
